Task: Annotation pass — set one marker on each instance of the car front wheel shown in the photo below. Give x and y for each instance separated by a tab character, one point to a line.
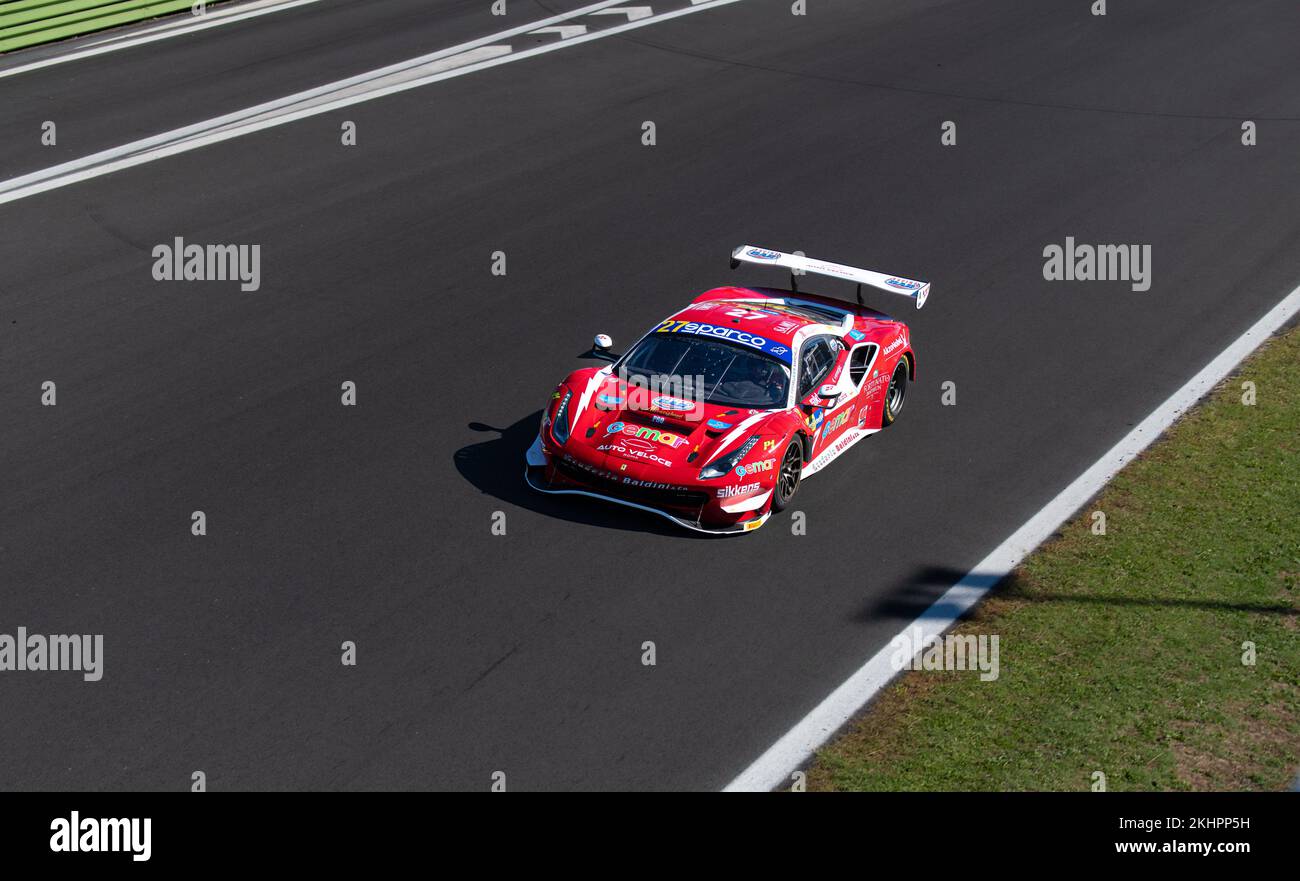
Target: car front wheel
787	479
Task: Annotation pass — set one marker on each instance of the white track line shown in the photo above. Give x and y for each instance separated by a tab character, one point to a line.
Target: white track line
774	767
455	61
632	12
166	30
566	31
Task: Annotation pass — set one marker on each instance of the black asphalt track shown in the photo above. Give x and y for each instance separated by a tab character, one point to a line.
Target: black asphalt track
522	653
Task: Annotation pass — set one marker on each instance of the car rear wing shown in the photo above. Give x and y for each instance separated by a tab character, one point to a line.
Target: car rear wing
917	290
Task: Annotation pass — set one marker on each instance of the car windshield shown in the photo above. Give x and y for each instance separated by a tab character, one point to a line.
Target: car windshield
732	374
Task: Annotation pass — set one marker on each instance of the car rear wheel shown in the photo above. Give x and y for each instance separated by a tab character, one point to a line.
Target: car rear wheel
896	394
787	479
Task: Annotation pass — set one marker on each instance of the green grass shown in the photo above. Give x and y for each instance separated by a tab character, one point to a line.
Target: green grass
1122	653
25	23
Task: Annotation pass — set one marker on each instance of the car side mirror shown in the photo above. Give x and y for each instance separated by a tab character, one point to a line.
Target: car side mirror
603	347
816	400
825	397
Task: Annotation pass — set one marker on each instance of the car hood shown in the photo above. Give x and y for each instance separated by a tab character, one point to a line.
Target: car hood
661	432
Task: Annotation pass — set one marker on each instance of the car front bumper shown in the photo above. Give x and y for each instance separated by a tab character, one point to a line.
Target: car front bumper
539	466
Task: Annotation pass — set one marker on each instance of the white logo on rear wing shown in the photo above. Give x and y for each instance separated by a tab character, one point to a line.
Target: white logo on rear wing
917	290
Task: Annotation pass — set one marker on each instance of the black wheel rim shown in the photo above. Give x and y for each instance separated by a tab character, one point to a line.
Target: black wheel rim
788	480
895	396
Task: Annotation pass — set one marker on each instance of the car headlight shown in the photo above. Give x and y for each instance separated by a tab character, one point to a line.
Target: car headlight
560	424
722	467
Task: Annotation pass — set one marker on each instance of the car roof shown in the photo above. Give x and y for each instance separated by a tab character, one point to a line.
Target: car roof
774	314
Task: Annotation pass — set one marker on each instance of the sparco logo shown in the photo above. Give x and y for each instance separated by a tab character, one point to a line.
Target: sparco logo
699	328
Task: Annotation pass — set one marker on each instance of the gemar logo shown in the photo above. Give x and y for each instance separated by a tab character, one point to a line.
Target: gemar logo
77	834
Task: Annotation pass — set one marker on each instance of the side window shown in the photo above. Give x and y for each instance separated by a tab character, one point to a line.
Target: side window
807	364
813	366
858	362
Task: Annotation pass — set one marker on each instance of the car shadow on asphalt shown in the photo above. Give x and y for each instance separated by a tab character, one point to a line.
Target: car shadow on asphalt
496	467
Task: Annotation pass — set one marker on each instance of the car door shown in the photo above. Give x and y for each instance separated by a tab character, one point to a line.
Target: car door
820	362
864	377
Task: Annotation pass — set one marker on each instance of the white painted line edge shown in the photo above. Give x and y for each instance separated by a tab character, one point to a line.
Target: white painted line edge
89	166
632	12
566	31
162	31
280	112
796	747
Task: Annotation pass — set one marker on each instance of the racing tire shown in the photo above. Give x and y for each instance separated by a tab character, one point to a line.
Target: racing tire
787	477
895	395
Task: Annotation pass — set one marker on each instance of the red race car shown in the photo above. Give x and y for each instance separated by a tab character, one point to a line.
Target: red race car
714	417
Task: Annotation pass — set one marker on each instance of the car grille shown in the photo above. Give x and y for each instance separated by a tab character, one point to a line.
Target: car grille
652	496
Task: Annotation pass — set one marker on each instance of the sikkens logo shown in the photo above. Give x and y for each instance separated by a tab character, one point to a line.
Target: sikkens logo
648	433
727	492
